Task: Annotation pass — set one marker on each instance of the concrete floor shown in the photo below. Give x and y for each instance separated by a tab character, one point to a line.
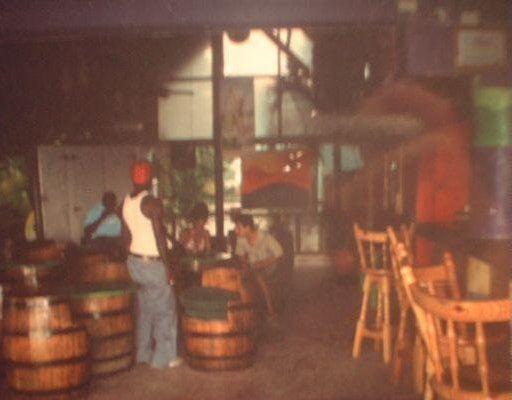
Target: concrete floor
304	354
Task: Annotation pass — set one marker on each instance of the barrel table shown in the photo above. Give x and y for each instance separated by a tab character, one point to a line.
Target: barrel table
215	342
106	312
44	351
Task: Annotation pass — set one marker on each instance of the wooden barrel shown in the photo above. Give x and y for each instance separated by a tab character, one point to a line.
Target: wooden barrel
41	251
230	278
34	275
101	271
72	394
107	315
192	268
44	351
223	344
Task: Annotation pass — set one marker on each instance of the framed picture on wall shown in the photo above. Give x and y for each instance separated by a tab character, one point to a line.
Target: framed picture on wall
480	48
277	178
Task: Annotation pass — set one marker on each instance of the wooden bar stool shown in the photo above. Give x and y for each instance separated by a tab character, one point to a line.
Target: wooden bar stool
373	248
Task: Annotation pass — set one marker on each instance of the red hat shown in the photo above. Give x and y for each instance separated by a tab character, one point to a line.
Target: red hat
141	172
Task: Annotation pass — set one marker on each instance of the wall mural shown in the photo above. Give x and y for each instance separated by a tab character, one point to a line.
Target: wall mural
277	179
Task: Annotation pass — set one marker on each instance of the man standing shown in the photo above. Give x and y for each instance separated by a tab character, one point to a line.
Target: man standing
148	265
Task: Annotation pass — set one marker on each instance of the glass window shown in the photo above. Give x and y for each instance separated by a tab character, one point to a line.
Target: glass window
300	44
351	158
257	55
265	107
197	58
186	111
232	180
297	111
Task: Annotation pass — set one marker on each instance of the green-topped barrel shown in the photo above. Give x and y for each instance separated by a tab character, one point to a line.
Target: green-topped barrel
106	311
219	330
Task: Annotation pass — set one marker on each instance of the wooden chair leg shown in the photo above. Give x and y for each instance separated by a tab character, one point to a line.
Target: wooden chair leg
418	366
360	327
401	346
266	294
378	315
386	332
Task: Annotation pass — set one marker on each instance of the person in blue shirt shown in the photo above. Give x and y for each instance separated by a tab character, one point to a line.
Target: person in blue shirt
102	225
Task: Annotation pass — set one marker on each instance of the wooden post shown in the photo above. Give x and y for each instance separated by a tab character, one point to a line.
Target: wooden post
217	76
336	170
36	194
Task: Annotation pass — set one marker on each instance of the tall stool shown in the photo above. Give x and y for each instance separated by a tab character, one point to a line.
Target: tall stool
373	248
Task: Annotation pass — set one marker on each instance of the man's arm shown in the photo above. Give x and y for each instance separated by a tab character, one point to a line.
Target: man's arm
125	232
152	208
91	228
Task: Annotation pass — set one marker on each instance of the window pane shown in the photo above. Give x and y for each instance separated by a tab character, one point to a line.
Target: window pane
351	158
198	60
300	45
232	180
186	112
265	107
296	113
255	56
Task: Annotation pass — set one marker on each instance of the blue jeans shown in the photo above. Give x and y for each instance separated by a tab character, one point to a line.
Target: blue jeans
156	313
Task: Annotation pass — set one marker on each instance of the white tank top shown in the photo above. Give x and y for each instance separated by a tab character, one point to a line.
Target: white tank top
143	239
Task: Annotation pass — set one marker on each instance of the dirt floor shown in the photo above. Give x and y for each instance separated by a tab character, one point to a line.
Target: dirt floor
303	354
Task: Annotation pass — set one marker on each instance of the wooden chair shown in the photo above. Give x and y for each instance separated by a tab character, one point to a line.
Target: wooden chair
438	320
408	232
438	279
401	348
373	248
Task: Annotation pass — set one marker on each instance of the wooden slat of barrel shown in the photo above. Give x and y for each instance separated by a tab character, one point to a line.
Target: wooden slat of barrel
229	278
44	347
221	344
34	275
49	378
43	251
44	351
113	366
101	271
22	314
107	315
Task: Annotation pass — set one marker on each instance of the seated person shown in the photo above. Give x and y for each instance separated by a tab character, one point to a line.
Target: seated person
196	239
258	249
102	226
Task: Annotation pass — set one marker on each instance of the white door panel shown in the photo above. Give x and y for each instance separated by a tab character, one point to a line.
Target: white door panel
54	197
85	184
74	178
